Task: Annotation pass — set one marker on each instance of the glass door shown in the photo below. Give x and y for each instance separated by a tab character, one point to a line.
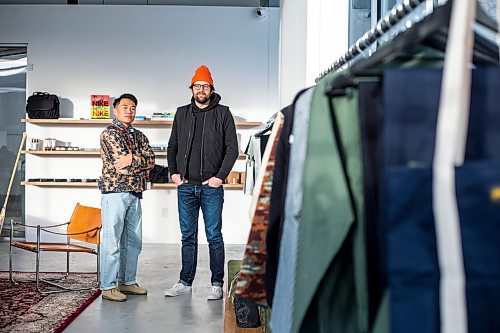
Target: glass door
13	66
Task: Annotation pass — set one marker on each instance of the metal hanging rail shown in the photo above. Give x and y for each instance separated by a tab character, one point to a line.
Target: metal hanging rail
395	15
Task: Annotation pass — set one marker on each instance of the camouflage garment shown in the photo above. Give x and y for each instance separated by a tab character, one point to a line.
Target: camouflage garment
251	280
117	140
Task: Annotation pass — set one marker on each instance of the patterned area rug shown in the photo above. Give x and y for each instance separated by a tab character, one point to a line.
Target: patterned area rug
24	309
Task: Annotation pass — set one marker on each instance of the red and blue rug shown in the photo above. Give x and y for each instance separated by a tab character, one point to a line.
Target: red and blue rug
24	309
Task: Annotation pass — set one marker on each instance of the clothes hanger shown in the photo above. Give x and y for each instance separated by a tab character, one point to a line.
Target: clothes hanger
262	129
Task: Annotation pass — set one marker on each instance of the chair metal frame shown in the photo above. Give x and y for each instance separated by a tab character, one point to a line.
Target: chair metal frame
42	246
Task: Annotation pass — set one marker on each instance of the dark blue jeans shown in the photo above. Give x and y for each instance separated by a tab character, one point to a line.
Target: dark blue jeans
190	199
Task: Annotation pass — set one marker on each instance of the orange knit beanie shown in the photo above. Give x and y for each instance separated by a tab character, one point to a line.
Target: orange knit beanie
202	73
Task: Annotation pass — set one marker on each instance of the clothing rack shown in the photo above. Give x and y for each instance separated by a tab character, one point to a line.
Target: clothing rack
395	15
265	127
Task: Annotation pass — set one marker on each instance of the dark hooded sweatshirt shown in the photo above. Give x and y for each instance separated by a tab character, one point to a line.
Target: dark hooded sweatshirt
203	142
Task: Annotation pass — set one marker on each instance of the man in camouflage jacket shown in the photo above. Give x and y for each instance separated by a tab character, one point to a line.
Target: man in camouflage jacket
126	161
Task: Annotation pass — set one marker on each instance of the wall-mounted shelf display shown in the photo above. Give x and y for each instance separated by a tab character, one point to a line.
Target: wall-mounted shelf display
83	184
95	153
68	121
70	153
62	153
59	184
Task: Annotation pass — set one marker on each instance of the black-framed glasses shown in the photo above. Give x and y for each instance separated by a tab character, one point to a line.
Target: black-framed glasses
200	86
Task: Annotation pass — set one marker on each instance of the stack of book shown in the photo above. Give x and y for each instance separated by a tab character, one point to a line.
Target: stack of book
169	116
159	147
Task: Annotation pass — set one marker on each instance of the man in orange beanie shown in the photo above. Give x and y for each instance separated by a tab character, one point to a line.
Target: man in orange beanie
201	152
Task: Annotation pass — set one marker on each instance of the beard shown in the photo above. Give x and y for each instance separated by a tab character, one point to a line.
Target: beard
202	98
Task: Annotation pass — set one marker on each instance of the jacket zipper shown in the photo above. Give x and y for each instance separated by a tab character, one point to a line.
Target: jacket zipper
188	143
202	139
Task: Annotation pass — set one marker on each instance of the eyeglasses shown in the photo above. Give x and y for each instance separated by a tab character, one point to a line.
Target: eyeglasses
199	86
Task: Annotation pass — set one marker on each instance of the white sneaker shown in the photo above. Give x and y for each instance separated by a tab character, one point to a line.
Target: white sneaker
215	293
178	289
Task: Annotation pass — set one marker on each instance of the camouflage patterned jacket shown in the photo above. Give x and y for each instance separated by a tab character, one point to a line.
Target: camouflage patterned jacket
115	141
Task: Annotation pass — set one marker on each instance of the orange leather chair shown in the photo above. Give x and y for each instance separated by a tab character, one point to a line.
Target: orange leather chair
84	226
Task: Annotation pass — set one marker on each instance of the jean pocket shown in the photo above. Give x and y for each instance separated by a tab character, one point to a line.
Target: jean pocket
182	186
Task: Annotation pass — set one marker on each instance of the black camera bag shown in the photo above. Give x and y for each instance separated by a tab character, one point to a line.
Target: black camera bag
42	105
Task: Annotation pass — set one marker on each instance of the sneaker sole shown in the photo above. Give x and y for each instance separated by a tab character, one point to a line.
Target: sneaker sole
177	294
113	299
132	293
213	299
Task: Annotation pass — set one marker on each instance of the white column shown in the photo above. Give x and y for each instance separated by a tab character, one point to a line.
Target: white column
293	32
313	34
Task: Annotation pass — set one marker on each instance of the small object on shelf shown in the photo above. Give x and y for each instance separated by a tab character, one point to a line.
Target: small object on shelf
100	107
90	180
34	144
49	144
46	180
159	147
34	180
75	180
163	116
233	178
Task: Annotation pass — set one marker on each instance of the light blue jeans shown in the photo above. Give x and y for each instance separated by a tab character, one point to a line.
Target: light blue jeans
121	241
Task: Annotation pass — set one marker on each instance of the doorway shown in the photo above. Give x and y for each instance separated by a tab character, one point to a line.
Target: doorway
13	67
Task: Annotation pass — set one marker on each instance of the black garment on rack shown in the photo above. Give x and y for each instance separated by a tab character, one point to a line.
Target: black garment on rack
264	138
277	203
483	133
371	118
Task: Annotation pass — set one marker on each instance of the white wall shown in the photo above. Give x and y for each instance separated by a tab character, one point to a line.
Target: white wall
150	51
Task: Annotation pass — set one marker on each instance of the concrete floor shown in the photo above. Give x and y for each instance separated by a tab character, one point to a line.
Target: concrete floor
159	266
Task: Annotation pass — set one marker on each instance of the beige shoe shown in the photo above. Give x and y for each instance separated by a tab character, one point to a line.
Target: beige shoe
114	295
132	289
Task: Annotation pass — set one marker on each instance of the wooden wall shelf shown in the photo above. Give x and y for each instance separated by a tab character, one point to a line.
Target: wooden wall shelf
66	152
63	153
68	121
82	184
